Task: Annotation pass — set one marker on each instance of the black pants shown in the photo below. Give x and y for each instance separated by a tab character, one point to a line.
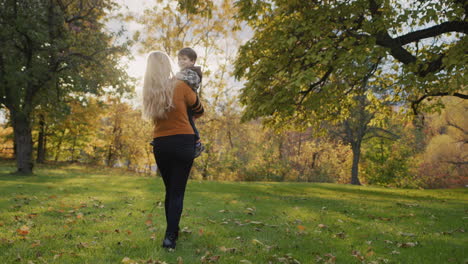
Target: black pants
174	157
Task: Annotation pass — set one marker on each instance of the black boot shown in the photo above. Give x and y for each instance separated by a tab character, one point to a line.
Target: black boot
169	240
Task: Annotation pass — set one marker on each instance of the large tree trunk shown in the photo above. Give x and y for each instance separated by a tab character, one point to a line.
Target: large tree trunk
109	156
356	147
41	140
23	142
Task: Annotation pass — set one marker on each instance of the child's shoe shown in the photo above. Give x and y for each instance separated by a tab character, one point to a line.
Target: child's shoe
199	148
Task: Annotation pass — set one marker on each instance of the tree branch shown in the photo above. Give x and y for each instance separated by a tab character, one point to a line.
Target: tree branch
401	54
446	27
415	104
314	85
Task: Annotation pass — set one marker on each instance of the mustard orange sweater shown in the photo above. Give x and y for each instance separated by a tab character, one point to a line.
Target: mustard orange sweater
177	119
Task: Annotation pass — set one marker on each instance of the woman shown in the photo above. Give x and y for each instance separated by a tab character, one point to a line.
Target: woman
165	102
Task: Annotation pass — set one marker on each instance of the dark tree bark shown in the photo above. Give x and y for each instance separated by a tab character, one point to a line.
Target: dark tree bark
23	142
41	140
356	147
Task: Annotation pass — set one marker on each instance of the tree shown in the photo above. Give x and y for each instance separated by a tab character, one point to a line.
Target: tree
53	47
299	48
308	42
306	57
169	28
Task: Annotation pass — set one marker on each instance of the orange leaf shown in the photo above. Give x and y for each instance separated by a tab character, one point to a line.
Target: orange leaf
200	231
301	227
24	230
129	232
79	216
32	215
148	222
36	244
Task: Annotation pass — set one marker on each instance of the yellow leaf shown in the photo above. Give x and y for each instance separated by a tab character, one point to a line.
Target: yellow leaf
127	260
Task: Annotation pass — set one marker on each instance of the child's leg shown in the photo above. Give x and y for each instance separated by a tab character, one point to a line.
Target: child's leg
192	123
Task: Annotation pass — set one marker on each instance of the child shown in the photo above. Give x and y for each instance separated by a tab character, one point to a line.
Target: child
192	76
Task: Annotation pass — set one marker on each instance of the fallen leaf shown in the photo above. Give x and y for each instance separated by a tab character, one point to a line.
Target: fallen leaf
257	242
322	226
256	223
186	230
36	243
407	234
229	250
331	258
301	227
341	235
79	216
245	261
24	230
148	222
82	245
180	260
127	260
32	215
357	255
407	244
214	258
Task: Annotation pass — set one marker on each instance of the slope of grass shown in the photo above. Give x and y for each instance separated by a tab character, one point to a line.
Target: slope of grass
73	214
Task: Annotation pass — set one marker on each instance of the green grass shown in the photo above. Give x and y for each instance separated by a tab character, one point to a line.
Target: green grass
84	215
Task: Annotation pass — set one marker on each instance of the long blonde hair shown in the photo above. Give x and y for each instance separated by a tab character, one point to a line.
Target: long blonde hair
158	86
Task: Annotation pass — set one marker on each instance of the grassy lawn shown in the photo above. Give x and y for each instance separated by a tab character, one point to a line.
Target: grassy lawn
73	214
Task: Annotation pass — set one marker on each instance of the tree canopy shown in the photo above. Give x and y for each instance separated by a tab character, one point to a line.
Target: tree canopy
301	50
